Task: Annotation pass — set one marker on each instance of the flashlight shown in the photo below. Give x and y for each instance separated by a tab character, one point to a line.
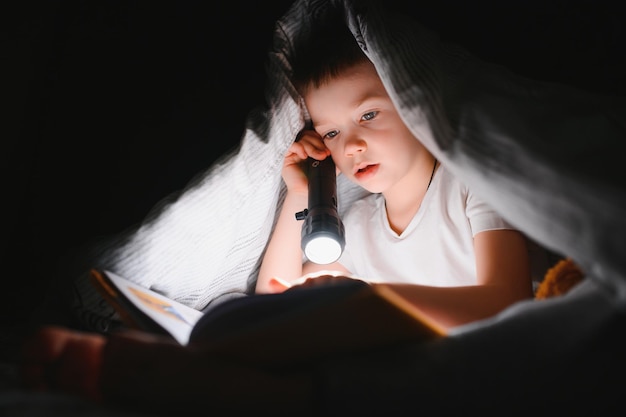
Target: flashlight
323	236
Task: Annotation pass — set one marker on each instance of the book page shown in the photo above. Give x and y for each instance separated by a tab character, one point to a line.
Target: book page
177	318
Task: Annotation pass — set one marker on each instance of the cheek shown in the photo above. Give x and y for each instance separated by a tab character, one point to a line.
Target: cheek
408	146
333	147
341	164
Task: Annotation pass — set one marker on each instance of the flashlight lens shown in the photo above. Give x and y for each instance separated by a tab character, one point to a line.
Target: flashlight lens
322	250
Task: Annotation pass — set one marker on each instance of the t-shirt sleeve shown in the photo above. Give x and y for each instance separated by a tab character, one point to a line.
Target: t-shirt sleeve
482	217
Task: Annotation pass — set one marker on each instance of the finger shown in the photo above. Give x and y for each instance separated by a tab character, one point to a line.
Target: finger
313	144
296	153
278	285
323	273
308	282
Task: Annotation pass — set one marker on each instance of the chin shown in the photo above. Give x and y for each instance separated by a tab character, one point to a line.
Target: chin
372	189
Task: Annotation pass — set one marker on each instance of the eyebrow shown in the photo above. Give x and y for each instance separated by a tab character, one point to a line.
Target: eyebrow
359	101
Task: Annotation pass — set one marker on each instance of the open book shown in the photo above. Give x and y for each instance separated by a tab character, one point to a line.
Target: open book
142	308
298	324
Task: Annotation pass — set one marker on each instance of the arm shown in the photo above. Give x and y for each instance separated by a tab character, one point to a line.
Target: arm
283	256
504	277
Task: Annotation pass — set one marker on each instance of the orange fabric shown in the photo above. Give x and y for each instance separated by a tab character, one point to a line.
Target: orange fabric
559	279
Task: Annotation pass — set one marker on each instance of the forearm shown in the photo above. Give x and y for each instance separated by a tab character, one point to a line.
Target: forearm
283	257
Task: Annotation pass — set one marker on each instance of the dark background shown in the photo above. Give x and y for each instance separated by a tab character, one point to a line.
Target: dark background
114	105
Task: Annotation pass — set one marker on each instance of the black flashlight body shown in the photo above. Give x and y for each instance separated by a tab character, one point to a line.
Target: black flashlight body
321	218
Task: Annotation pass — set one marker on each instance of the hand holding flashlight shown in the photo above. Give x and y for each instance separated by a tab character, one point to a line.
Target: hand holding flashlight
323	235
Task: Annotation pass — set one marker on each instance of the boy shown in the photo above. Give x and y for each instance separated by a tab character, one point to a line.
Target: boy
421	229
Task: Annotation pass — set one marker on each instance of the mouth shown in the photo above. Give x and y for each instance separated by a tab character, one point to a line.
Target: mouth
365	170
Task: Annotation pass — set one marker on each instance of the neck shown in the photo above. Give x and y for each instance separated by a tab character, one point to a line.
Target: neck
402	205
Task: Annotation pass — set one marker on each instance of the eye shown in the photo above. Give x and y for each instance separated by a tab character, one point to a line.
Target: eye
330	134
369	115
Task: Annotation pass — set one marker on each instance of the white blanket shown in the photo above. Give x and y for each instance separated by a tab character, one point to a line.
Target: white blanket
522	145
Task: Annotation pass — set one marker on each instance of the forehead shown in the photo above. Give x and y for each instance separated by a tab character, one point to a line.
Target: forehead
355	83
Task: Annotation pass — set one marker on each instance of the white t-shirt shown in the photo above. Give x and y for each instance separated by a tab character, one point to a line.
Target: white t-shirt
435	249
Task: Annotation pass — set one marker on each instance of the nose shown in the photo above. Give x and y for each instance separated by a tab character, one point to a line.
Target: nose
354	144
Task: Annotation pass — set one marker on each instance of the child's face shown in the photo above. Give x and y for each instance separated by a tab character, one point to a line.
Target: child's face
360	125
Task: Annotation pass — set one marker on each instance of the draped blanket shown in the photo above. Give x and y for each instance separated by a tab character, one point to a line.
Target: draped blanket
544	155
548	157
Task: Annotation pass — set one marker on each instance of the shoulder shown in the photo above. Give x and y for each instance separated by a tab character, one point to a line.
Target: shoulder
446	184
455	195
